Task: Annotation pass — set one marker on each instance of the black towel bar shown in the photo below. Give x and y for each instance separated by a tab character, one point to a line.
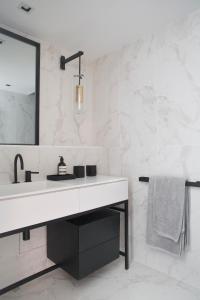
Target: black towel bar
187	183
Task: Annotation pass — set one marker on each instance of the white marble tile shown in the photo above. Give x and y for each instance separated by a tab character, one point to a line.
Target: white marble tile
17	118
152	126
25	264
59	123
9	246
106	96
110	282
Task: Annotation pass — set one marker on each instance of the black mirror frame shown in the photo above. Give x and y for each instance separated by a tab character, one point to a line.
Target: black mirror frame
37	81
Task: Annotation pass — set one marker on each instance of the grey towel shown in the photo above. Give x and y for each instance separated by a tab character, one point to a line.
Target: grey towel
168	222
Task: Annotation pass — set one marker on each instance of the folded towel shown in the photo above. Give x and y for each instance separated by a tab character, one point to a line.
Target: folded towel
168	222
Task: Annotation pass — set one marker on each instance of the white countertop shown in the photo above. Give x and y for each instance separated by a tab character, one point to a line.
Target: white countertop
10	191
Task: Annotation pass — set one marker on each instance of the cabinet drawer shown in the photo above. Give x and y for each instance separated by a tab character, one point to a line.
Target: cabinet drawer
84	244
95	228
97	257
102	195
21	212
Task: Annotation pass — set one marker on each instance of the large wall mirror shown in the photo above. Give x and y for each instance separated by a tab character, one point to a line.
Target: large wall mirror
19	89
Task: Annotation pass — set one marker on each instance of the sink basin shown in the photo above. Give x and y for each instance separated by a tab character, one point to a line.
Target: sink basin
10	190
27	204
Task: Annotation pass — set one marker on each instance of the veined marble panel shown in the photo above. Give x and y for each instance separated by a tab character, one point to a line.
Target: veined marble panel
112	282
152	126
59	122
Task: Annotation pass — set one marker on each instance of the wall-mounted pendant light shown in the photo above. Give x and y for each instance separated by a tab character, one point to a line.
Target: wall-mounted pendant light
79	88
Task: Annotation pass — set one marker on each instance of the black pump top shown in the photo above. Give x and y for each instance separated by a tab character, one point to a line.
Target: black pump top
61	159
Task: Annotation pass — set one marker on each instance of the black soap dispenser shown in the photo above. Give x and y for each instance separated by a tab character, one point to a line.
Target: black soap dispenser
62	168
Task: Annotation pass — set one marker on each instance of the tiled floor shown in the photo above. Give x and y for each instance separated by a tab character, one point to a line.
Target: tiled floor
110	283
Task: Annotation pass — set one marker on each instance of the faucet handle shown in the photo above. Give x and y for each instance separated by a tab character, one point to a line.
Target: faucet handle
28	175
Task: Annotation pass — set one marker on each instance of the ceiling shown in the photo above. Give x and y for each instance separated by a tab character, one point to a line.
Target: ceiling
95	26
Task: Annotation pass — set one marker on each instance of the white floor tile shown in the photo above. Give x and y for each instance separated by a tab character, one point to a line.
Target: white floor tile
112	282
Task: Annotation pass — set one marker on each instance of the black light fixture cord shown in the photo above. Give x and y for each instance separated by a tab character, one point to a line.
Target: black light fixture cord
79	77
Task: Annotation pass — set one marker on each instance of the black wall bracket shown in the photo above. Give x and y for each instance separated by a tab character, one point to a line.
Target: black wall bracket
64	60
26	235
187	183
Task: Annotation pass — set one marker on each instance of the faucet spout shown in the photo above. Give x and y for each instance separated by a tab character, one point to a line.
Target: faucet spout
18	156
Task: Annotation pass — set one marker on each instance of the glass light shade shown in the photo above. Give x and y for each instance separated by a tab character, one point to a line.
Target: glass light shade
79	98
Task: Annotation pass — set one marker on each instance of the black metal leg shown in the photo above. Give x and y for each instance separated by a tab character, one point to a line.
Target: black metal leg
26	236
125	253
27	279
126	236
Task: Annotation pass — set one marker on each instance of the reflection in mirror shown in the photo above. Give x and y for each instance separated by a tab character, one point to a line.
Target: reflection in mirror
18	90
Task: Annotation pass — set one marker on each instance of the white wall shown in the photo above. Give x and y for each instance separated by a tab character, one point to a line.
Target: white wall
147	114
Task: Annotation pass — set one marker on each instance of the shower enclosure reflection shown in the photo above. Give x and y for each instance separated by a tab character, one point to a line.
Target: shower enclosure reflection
19	89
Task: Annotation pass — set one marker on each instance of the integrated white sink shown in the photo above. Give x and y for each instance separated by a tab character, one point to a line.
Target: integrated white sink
10	191
19	189
27	204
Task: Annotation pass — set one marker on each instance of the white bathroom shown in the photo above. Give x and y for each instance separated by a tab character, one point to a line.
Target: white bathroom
99	149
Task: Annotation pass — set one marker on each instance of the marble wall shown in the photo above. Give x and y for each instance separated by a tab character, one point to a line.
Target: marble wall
59	122
147	115
17	118
62	132
142	113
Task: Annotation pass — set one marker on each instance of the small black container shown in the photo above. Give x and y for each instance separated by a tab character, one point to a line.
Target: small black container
91	170
79	171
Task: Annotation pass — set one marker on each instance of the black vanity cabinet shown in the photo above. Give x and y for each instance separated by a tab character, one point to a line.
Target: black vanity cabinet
84	244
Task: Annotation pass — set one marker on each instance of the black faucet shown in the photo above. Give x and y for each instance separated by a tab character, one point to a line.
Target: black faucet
15	166
28	175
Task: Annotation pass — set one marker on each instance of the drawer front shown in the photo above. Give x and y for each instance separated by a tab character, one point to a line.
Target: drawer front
102	195
84	263
99	231
95	258
21	212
